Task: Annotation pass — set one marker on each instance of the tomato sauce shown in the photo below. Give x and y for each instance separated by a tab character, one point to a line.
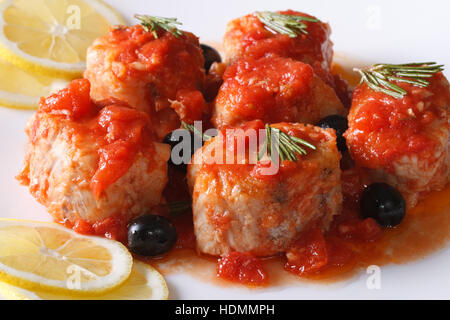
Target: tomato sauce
395	127
249	37
113	227
118	130
161	54
167	68
73	102
121	131
241	267
273	86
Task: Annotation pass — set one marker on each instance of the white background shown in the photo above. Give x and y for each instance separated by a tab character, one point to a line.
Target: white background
370	31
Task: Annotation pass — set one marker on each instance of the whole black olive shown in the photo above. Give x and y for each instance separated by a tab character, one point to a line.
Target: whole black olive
340	125
211	55
151	235
383	203
173	140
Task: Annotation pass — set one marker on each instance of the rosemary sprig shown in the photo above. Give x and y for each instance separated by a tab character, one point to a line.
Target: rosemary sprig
379	77
287	24
153	23
192	128
178	206
286	146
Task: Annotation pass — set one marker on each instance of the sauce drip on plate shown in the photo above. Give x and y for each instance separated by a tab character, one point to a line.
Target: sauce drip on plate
352	244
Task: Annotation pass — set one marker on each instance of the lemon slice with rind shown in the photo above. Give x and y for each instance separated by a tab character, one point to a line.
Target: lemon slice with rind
49	257
51	37
144	283
22	90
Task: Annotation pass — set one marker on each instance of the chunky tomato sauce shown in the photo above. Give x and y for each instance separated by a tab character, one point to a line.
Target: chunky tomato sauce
73	102
117	130
385	128
113	227
252	136
171	67
122	131
272	86
319	252
135	45
248	37
316	253
242	267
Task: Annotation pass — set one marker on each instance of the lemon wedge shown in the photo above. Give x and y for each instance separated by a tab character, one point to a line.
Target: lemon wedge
22	90
144	283
51	37
49	257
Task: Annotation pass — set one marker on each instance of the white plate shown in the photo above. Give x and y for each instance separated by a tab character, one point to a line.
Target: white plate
372	31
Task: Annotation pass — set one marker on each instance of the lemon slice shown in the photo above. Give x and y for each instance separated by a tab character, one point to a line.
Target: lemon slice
51	37
47	256
22	90
144	283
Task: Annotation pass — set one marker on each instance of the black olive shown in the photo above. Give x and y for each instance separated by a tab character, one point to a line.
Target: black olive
383	203
211	55
151	235
173	140
340	125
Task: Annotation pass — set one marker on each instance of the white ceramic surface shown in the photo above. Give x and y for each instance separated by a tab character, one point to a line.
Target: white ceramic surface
372	31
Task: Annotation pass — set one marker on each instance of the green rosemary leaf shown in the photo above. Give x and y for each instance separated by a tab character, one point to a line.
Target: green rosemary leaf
418	82
303	142
192	128
153	24
286	24
178	206
379	76
286	145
